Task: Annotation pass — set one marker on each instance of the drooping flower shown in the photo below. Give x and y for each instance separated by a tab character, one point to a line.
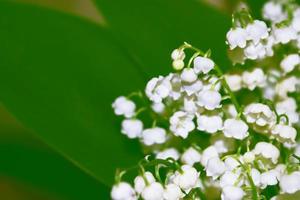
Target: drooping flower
124	106
181	123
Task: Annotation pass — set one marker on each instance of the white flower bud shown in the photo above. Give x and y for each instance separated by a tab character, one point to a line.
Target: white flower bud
209	124
178	54
235	128
132	128
178	64
139	182
123	191
158	107
123	106
154	191
154	136
232	193
203	65
209	99
191	156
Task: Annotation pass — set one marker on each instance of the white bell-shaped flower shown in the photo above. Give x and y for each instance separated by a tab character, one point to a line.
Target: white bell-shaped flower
153	191
154	135
257	30
248	157
289	107
269	178
181	123
203	65
256	176
232	193
192	88
207	154
235	128
255	51
209	99
260	116
139	181
215	167
231	163
209	124
287	85
254	79
123	191
267	150
273	11
222	143
124	106
133	128
284	133
296	23
173	192
191	156
229	179
234	82
189	105
168	153
290	183
284	35
158	88
187	179
188	75
176	85
237	37
289	63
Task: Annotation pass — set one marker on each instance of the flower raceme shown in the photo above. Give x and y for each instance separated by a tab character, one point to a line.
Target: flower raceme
235	132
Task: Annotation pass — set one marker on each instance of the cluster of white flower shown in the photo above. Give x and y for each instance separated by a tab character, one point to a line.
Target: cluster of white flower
234	132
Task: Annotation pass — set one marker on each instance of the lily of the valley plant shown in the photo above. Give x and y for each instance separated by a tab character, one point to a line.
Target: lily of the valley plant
208	134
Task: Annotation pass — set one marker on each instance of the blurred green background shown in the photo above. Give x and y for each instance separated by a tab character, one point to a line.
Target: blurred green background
62	62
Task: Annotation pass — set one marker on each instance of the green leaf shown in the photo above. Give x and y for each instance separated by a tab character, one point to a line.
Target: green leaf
150	30
45	170
59	76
